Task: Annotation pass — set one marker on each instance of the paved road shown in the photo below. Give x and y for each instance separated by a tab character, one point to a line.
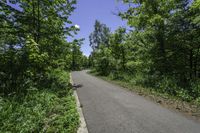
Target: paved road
110	109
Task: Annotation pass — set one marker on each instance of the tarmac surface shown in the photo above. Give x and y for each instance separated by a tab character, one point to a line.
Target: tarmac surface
108	108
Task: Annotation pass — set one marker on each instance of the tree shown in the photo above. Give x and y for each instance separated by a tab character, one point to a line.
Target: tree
103	60
162	51
118	48
159	24
32	42
79	61
99	36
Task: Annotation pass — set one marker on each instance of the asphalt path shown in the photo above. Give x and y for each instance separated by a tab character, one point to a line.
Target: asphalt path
108	108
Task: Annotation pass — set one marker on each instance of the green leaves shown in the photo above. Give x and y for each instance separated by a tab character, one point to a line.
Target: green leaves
34	54
78	60
33	41
161	51
40	111
196	8
100	35
59	79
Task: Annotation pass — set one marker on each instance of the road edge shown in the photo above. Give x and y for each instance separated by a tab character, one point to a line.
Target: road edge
82	127
155	99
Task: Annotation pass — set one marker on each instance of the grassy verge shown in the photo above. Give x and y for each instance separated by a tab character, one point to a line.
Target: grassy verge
44	111
166	100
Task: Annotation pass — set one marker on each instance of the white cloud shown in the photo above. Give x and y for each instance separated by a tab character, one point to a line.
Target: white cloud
77	26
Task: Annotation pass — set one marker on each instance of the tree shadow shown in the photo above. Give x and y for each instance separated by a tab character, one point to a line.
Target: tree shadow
76	86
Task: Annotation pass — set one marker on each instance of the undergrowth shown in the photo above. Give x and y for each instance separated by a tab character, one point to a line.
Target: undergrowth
40	110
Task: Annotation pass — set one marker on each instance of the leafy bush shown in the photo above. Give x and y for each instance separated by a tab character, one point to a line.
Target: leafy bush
184	95
117	75
139	79
167	85
130	66
197	101
195	91
58	79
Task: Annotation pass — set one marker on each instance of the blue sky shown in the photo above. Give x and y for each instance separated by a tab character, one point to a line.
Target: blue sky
88	11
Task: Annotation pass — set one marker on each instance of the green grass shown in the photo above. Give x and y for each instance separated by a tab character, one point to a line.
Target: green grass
44	111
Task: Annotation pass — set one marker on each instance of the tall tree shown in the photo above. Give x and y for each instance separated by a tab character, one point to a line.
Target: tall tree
99	36
36	41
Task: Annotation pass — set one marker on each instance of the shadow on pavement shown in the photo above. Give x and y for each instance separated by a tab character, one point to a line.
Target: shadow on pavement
76	86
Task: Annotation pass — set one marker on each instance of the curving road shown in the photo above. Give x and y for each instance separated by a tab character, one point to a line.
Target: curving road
108	108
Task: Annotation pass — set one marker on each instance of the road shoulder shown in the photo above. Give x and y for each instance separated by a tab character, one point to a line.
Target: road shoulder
83	127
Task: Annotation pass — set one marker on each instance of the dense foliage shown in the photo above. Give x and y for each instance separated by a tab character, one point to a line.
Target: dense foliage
33	42
35	60
162	51
41	111
79	61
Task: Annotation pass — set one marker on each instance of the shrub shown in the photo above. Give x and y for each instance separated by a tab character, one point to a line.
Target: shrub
184	95
58	79
167	85
197	101
195	89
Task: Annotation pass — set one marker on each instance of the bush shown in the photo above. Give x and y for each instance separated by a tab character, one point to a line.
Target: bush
139	79
195	89
57	79
167	85
184	95
197	101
